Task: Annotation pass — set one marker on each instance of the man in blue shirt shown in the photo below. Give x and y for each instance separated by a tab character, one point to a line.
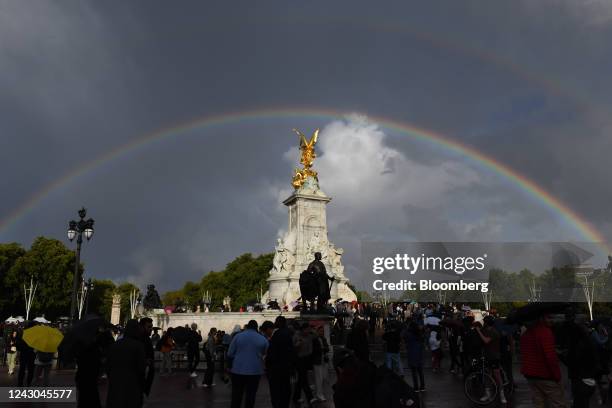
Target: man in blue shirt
246	353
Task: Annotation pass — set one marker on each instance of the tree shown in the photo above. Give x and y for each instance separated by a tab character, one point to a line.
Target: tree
173	298
51	265
241	279
125	289
9	254
362	296
101	298
192	295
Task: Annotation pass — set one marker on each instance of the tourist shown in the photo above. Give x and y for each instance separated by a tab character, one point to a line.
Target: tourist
506	348
126	369
540	365
146	326
583	364
392	348
302	343
166	345
280	363
320	359
155	337
435	340
26	361
266	329
193	349
599	337
226	340
42	363
357	340
355	380
11	352
492	353
413	338
88	360
454	341
471	344
210	348
246	351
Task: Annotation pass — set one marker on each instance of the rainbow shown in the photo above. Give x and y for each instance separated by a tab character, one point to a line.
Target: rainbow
570	217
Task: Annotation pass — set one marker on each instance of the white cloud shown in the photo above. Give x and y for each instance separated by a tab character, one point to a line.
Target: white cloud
367	178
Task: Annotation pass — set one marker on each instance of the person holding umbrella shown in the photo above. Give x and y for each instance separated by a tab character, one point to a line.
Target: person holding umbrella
42	363
26	361
45	341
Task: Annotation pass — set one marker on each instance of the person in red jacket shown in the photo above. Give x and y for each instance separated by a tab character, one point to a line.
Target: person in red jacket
540	365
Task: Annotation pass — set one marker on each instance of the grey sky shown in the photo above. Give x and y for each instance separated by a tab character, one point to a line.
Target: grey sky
525	82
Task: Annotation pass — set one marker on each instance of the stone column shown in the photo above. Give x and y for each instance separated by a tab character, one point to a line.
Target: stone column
116	309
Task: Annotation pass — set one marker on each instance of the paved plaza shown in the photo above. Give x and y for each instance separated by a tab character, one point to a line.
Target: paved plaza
444	390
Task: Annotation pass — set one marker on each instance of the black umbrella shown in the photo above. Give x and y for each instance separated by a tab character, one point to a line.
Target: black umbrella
534	311
82	334
180	335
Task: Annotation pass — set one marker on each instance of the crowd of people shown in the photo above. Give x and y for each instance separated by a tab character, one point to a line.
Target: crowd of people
299	357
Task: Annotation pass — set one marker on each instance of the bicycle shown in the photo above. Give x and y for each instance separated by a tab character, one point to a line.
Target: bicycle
480	386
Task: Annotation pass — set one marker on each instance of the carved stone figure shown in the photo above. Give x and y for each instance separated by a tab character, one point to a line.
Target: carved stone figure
152	299
318	274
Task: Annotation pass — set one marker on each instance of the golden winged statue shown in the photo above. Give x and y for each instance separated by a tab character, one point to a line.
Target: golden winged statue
307	159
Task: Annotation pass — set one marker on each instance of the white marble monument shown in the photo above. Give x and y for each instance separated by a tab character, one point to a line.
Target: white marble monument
116	309
306	234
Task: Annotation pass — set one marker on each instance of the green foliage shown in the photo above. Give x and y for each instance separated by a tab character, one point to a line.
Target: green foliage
51	265
9	254
363	296
192	295
242	279
174	298
101	298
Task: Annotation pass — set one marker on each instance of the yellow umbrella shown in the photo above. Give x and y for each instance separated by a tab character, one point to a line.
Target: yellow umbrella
43	338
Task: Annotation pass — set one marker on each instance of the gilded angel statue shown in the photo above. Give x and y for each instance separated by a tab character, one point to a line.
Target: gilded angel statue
307	158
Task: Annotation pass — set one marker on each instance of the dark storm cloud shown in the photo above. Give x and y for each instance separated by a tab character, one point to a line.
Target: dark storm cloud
528	84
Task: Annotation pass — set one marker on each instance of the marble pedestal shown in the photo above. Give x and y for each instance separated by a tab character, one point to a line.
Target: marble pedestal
306	234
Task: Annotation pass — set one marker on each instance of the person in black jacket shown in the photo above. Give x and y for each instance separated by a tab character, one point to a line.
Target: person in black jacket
357	340
280	363
126	369
580	356
146	327
26	361
193	349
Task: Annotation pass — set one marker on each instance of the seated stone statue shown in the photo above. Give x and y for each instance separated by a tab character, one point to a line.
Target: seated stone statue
152	299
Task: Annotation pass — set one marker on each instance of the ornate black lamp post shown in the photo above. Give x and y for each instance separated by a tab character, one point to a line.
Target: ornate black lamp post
76	229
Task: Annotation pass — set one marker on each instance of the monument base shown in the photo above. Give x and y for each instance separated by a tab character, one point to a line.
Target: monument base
317	320
226	321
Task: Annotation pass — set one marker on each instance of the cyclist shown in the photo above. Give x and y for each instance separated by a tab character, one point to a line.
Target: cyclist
492	352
